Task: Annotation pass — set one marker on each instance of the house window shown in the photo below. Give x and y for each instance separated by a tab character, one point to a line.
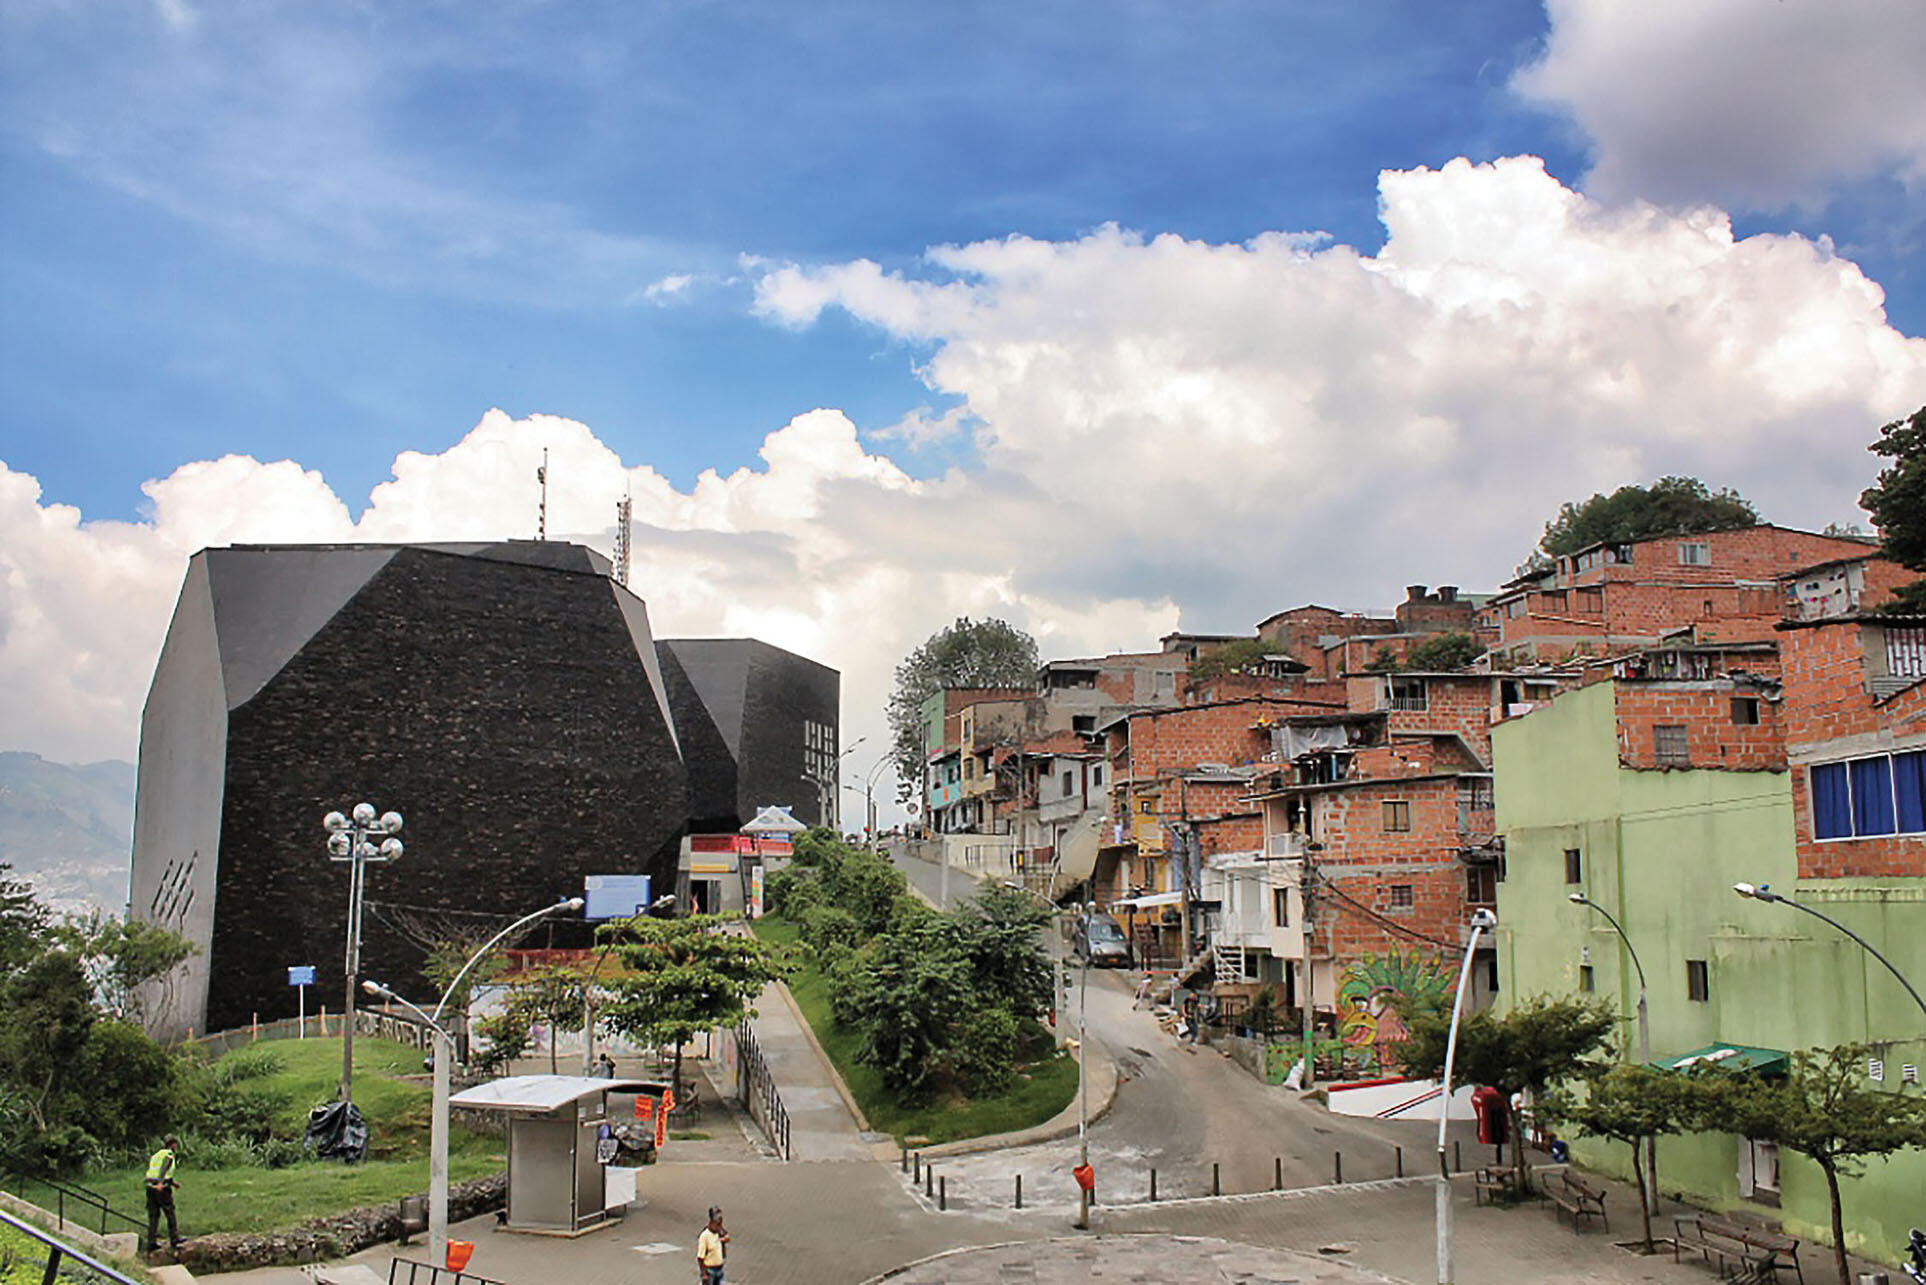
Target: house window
1397	816
1481	885
1084	723
1591	601
1069	783
1281	907
1759	1171
1146	807
1695	553
1698	981
1905	652
1408	694
1554	600
1881	794
1585	984
1514	609
1745	710
1620	553
1401	898
1096	775
1574	866
1672	745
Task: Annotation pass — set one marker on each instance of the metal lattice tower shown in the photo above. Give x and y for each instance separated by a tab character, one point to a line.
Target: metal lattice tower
541	511
624	508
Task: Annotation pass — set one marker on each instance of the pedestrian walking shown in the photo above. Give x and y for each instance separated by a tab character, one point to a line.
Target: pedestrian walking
712	1248
161	1167
1143	993
605	1067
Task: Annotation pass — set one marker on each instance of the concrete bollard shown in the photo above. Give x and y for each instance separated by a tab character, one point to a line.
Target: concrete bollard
1457	1157
905	1147
1400	1162
1019	1187
1277	1173
929	1181
1153	1186
1337	1166
943	1192
1216	1189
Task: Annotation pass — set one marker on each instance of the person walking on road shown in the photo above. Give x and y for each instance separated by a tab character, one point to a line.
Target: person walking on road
1143	993
160	1193
712	1248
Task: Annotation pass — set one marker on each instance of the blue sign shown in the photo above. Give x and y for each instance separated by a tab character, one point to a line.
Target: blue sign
302	976
615	896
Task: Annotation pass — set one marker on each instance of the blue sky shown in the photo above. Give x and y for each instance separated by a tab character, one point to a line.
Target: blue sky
1106	319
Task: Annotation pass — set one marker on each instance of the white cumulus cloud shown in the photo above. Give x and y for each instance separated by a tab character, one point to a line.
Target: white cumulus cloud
1747	103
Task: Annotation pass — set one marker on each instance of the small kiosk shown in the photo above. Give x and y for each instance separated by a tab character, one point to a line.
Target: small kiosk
559	1144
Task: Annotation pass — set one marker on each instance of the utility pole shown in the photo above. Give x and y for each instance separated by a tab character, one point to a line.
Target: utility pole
1307	891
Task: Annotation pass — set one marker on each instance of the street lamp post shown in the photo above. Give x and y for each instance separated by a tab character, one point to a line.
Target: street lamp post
654	909
1644	1040
1083	1051
352	839
1480	921
444	1057
1763	892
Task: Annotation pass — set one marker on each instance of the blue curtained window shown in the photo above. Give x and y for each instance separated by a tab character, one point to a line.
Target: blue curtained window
1872	795
1909	791
1831	802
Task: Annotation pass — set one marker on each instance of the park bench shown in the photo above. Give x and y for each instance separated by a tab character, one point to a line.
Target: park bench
1491	1182
1740	1253
1571	1193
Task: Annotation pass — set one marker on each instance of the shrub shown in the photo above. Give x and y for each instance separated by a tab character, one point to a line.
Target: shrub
983	1053
827	926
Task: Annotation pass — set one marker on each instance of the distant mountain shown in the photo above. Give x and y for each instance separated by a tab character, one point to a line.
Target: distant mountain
68	830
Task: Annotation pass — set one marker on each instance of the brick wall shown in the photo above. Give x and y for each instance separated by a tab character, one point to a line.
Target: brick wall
1366	862
1713	738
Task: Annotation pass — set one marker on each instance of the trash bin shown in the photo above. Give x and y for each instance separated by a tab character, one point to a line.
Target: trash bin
1560	1153
459	1252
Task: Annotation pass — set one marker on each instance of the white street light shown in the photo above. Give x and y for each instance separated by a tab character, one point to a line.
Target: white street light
351	839
1083	1052
1480	921
1763	892
444	1057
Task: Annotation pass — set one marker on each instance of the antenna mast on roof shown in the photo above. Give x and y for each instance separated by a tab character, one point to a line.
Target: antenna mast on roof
541	511
624	507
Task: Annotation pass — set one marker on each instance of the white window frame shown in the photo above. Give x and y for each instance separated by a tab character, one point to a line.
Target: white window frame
1695	553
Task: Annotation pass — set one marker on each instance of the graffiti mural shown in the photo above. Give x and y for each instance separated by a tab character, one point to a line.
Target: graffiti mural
1377	991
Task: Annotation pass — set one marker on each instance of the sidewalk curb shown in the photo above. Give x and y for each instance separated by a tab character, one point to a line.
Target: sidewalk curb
1103	1083
822	1056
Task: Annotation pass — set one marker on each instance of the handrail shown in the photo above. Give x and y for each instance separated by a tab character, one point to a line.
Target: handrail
64	1191
435	1275
753	1077
57	1249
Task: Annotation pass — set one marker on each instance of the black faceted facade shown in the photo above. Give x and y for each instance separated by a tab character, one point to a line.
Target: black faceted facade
508	700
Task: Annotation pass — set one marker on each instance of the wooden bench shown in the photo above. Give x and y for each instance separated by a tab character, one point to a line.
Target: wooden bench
1491	1182
1741	1253
1571	1193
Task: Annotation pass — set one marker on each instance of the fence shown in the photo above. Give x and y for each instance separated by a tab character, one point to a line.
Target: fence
70	1202
56	1252
402	1027
429	1274
757	1089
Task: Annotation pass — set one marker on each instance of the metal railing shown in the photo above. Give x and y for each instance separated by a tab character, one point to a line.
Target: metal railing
71	1202
757	1089
57	1251
429	1274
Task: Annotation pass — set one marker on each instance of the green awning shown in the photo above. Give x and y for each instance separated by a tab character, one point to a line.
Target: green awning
1728	1057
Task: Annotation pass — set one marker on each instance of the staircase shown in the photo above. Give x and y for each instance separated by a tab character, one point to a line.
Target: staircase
1232	963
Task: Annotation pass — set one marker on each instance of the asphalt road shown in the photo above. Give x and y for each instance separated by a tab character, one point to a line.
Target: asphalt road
1181	1109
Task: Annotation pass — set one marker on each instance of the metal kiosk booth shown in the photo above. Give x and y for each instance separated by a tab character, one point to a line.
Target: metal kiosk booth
558	1144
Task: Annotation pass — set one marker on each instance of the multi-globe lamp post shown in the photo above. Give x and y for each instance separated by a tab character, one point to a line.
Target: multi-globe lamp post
358	838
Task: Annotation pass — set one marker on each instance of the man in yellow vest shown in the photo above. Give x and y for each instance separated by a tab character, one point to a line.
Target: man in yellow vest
160	1193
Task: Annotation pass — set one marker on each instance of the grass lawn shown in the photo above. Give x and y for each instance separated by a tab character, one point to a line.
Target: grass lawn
1042	1089
254	1199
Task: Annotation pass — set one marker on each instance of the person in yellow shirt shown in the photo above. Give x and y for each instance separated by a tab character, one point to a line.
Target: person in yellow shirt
712	1247
160	1193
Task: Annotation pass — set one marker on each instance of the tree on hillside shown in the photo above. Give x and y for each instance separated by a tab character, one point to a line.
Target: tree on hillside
1629	1103
1529	1047
1670	506
120	956
24	922
1444	651
682	977
969	653
1823	1109
1230	657
1897	501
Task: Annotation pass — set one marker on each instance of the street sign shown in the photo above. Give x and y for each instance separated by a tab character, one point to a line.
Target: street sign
615	896
301	976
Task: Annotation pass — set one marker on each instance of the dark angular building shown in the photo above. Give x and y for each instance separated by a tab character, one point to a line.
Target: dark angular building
509	700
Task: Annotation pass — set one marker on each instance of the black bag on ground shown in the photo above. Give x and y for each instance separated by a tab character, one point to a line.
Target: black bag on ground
336	1131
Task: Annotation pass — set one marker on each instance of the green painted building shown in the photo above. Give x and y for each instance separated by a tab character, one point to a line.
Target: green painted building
1652	799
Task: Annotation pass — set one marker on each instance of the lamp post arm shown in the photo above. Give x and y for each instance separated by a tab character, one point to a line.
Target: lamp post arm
1629	948
1870	949
497	939
432	1024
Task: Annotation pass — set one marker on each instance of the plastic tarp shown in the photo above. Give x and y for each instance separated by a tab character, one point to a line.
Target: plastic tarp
1288	742
336	1131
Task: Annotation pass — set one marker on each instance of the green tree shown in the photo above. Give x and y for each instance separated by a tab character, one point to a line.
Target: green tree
910	990
1444	651
1670	506
1629	1103
46	1012
554	996
969	653
121	956
681	977
1009	968
24	922
1897	502
1822	1109
1230	657
1530	1047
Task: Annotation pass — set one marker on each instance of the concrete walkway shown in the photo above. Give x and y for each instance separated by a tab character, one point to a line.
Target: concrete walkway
823	1123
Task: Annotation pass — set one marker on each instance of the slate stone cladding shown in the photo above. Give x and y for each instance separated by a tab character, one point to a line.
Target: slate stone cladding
504	713
503	698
